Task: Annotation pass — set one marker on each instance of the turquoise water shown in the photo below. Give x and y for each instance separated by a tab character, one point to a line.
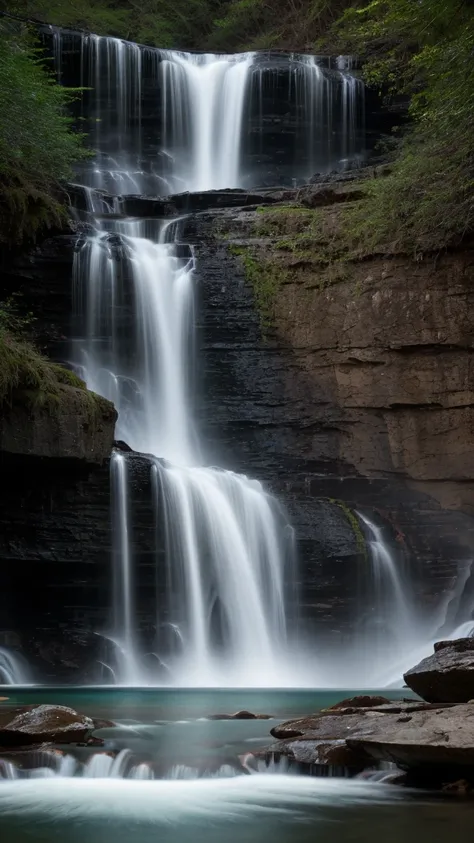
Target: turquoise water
165	727
149	704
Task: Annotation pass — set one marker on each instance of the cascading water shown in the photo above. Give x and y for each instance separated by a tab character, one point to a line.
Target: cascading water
329	126
388	622
228	545
12	668
163	121
203	109
124	616
227	542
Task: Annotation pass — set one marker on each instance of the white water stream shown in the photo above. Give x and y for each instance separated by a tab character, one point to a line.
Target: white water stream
227	541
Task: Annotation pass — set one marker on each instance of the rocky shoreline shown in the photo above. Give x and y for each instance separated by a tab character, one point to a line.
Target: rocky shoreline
431	741
427	742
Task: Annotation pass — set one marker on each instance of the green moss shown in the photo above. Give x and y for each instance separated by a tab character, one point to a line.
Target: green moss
29	379
265	277
354	523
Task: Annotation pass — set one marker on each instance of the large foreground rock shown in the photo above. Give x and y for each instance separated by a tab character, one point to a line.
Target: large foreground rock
43	723
412	734
446	676
443	738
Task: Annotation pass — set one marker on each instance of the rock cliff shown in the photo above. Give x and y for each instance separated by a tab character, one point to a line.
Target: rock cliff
355	396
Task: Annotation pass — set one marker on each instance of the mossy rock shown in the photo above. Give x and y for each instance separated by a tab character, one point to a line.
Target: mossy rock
47	410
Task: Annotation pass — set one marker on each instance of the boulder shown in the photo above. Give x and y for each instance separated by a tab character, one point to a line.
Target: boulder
442	738
43	724
448	675
342	716
410	734
332	727
240	715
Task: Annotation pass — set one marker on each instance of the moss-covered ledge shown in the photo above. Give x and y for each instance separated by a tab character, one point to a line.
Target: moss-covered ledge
47	411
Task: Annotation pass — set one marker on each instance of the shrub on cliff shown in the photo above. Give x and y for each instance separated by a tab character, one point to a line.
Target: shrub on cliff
422	50
37	144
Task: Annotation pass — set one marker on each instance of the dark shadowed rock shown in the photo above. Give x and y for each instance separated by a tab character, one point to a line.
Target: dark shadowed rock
211	199
41	724
446	676
145	206
120	445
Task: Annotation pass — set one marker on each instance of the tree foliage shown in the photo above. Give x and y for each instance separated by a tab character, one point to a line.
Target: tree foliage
424	50
421	49
37	144
163	23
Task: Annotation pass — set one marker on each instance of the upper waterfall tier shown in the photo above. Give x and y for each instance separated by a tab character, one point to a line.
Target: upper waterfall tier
167	121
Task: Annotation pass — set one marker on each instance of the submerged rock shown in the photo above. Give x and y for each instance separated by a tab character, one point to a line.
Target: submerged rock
43	723
240	715
448	675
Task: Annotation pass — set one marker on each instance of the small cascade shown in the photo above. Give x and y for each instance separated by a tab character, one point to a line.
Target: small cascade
391	599
124	617
329	124
203	110
12	668
388	624
106	765
228	542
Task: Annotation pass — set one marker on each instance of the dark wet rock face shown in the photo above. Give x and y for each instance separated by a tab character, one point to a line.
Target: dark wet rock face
446	676
43	724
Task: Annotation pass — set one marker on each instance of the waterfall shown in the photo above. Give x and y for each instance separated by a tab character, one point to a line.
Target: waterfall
389	626
12	668
227	541
203	104
164	121
389	634
124	616
327	131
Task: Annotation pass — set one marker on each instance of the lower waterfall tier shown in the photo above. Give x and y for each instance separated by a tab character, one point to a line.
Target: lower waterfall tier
259	412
